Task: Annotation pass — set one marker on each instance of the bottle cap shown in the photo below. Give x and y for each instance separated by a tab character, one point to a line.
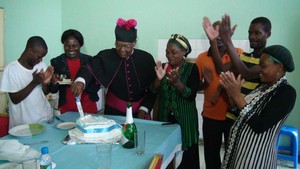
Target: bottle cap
128	104
77	99
45	150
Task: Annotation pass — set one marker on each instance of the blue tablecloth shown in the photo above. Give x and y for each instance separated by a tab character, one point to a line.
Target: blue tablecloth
159	139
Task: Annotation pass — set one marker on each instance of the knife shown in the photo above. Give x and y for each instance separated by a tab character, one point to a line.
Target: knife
66	139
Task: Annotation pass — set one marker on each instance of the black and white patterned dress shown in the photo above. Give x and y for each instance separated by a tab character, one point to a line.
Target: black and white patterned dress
252	140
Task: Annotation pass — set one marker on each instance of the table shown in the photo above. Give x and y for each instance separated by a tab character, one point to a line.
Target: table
159	139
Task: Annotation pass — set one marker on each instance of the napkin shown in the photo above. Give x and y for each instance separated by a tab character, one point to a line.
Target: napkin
14	151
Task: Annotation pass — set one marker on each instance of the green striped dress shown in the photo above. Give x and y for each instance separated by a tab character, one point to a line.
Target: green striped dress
183	105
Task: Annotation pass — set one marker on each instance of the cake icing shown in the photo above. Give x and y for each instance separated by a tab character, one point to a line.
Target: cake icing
96	129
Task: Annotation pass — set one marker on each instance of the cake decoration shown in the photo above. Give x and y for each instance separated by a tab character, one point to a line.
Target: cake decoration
96	129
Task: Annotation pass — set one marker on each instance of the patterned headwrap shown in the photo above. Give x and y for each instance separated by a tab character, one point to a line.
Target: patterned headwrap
181	41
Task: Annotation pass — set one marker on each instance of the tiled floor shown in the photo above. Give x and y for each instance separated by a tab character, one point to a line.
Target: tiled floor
281	164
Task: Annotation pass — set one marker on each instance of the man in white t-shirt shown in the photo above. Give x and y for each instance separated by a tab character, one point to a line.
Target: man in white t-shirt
26	83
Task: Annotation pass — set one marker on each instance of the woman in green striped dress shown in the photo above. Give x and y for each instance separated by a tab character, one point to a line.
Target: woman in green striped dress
177	84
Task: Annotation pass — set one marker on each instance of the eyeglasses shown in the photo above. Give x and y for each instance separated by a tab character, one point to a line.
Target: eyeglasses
127	47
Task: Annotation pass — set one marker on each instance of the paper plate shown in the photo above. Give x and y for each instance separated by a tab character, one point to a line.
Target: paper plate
66	125
9	165
27	130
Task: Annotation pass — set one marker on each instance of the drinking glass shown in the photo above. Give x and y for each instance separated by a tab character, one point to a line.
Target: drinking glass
103	151
139	142
50	115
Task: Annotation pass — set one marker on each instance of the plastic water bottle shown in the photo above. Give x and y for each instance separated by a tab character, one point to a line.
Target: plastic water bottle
45	160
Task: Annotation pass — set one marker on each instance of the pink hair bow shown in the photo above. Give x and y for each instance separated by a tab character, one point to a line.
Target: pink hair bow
128	24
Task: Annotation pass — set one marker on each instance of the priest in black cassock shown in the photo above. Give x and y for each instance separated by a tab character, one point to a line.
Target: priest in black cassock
126	73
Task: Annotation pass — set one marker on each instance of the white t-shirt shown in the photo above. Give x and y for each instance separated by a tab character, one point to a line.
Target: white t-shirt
35	107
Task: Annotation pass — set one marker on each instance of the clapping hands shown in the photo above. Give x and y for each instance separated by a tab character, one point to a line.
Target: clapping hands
42	76
233	87
160	71
172	75
231	83
224	30
48	74
211	32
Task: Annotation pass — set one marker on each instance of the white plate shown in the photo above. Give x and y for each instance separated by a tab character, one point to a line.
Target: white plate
66	125
8	166
27	130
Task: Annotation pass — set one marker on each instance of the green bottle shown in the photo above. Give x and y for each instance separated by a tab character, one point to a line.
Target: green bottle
129	129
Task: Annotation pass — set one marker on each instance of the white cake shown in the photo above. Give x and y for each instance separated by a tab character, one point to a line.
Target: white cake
96	129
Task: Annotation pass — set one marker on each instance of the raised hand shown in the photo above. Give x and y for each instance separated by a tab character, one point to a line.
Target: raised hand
225	30
160	71
209	30
48	74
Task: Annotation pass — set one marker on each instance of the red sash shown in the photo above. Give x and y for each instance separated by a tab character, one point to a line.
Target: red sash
113	101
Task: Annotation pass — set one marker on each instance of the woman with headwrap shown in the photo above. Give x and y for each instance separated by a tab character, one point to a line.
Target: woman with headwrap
177	83
253	136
